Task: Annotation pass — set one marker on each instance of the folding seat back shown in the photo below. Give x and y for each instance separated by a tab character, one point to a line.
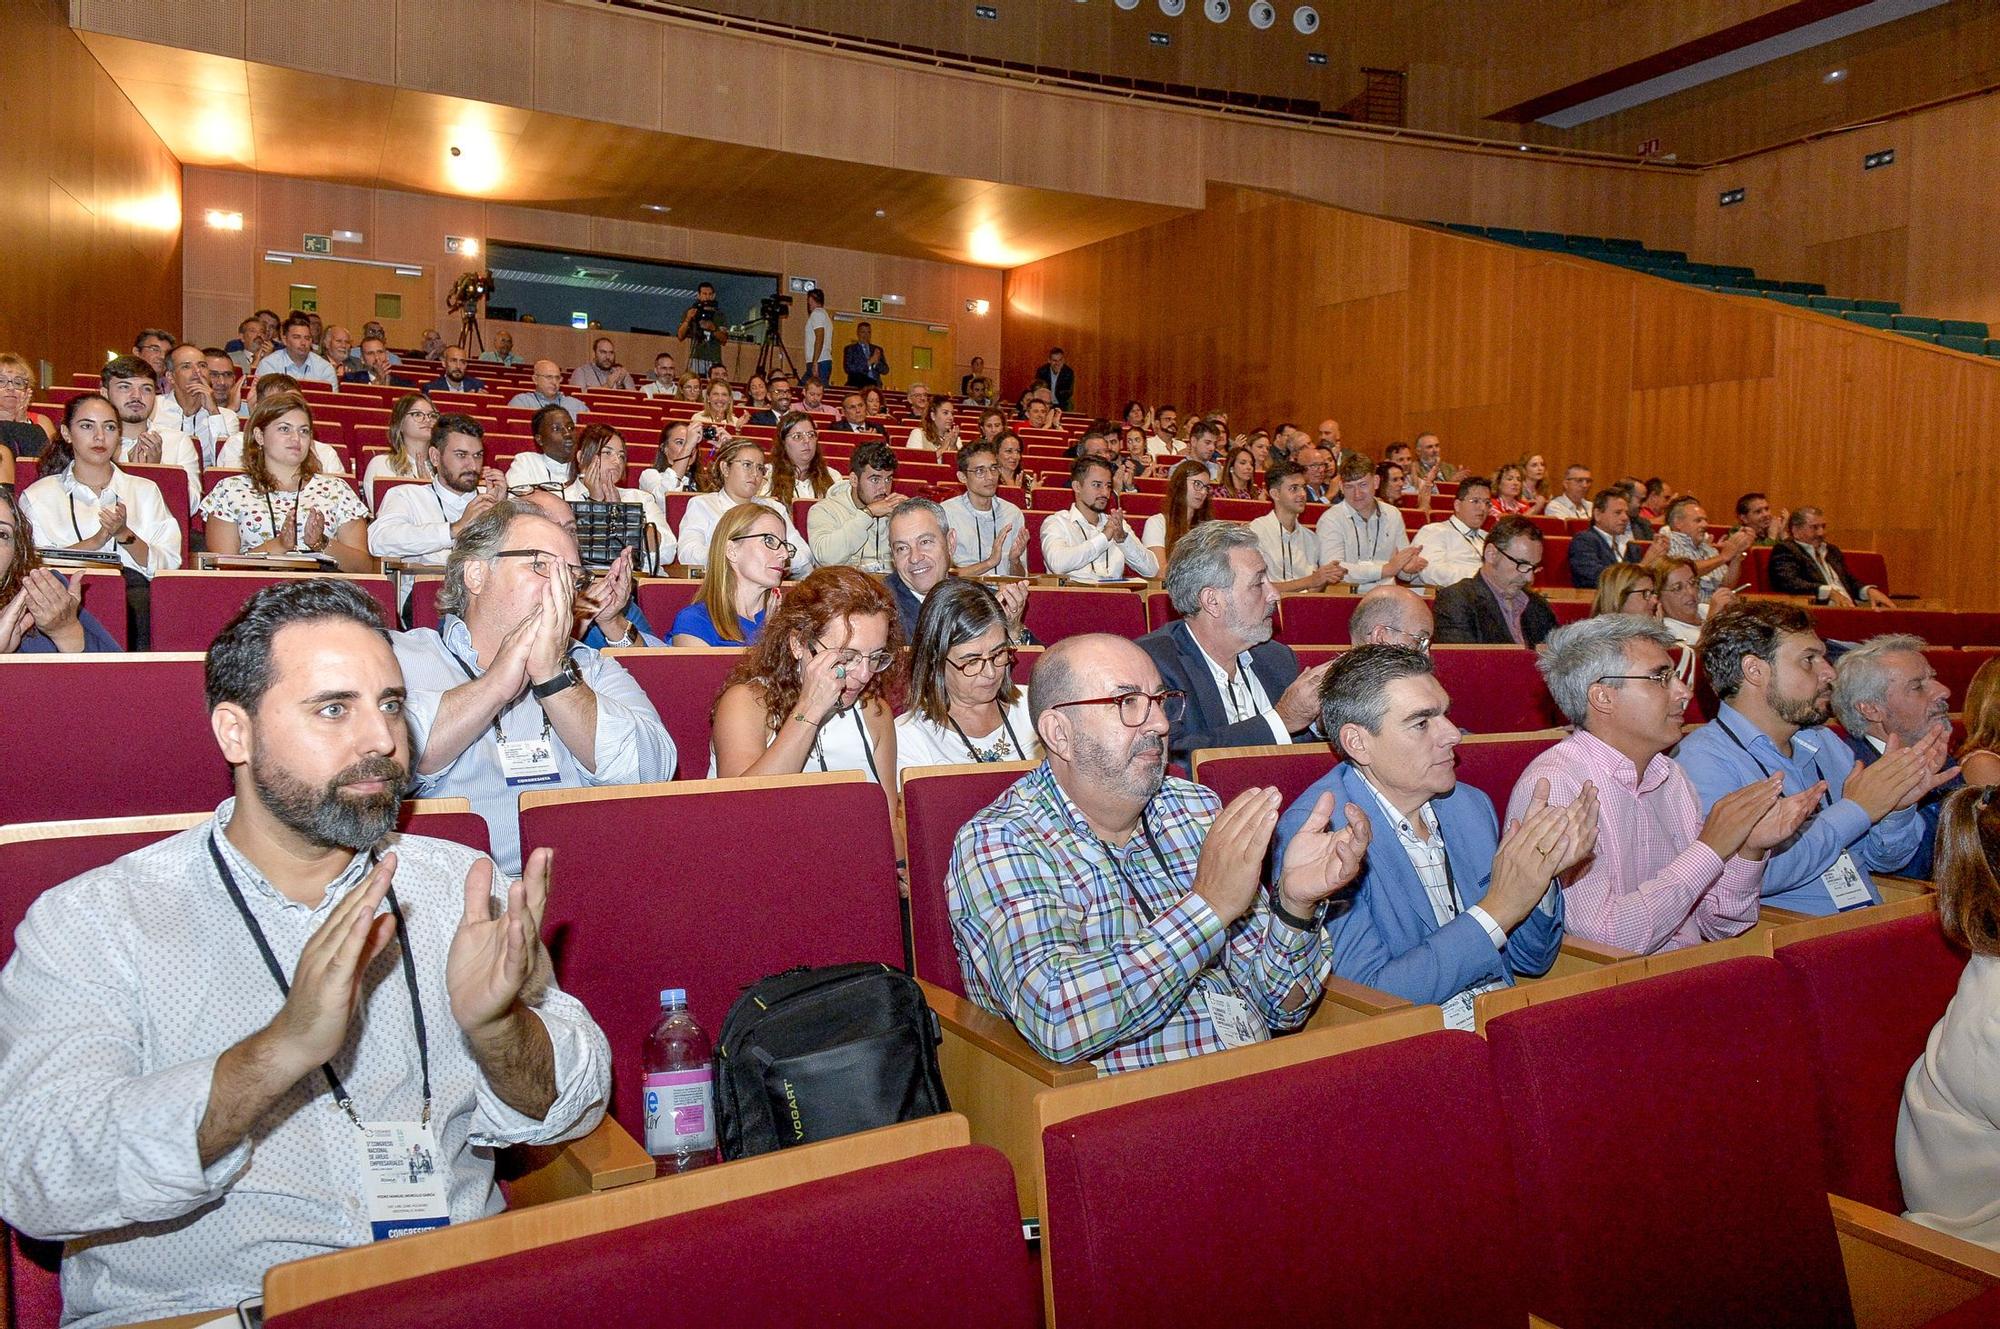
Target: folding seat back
1954	669
937	802
1388	1201
1555	564
191	608
1493	764
709	886
1159	610
172	482
1868	566
1494	689
682	684
1055	612
113	736
662	598
1757	568
1668	1153
104	597
1873	994
1289	769
1315	620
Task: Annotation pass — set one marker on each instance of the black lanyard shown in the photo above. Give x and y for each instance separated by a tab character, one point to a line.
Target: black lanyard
1166	873
1007	724
1826	795
340	1094
499	734
866	751
1374	531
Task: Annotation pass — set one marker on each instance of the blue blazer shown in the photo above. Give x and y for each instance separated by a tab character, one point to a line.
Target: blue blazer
1590	553
1178	658
1923	862
1383	930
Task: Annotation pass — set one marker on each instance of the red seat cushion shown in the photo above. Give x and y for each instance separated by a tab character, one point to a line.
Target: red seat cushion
1873	994
1669	1153
1493	766
935	807
191	608
1982	1312
1495	689
683	686
1315	620
34	1282
933	1240
1057	612
1288	772
1369	1189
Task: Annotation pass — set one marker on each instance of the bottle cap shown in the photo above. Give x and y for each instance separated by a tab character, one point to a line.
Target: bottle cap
674	997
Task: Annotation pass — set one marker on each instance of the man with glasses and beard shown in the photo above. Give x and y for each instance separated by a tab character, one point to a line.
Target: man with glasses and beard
1770	669
1116	915
502	698
205	1038
1496	608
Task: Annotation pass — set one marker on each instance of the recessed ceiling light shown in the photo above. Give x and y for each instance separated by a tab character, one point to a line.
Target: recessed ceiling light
1524	147
656	207
1834	76
879	212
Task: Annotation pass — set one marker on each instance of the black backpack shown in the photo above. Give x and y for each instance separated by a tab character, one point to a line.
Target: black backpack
810	1054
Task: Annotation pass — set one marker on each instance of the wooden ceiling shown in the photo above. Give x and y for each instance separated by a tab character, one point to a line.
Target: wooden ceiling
218	111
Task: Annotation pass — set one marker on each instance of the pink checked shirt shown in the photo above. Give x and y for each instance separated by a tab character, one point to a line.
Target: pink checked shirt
1651	885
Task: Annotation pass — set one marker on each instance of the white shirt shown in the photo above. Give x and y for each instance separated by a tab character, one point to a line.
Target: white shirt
654	388
62	510
126	985
1288	555
414	523
380	467
1560	506
922	741
918	443
1159	445
1452	552
316	367
176	449
330	460
976	534
660	483
698	525
1154	535
1361	544
208	430
1074	546
1243	695
534	468
1947	1147
818	320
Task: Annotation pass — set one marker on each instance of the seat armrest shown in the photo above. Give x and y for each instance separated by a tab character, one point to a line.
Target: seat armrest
1347	1001
1593	952
1900	1274
992	1036
601	1160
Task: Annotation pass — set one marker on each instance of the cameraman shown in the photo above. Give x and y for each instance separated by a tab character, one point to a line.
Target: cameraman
701	327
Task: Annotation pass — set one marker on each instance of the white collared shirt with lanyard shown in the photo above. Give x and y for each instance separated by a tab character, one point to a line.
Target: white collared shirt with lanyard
1843	878
524	762
1297	562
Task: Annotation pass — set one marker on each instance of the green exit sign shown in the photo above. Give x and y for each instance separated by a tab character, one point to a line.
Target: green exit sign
319	244
870	305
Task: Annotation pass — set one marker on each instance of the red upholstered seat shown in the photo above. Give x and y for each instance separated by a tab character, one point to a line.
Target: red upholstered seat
1955	669
1315	620
1367	1189
104	597
1494	689
710	887
1289	772
933	1240
1159	610
683	685
1055	612
113	736
34	1281
936	803
1982	1312
662	599
1873	994
1668	1153
1493	765
1555	563
190	608
173	486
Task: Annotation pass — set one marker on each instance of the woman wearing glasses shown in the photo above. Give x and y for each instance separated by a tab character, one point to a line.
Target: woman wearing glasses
809	696
1188	506
41	611
411	421
1632	588
597	475
746	568
740	470
964	703
801	472
17	389
283	502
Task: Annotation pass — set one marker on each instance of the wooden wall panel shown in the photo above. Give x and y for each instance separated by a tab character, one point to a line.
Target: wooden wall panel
617	68
1507	352
345	38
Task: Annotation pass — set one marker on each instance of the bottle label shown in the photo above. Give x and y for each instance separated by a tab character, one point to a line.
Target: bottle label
680	1111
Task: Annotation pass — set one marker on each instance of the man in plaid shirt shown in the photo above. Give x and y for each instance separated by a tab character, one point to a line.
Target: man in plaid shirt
1119	916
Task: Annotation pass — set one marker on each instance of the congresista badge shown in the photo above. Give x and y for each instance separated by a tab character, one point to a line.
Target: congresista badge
403	1178
1236	1024
529	761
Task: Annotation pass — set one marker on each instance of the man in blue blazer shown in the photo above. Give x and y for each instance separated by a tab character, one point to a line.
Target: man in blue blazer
1445	907
1885	689
1242	688
1609	540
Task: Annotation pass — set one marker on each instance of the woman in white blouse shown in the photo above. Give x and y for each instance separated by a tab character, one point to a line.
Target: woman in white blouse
937	432
1947	1139
597	473
84	501
964	703
283	502
411	421
740	470
674	469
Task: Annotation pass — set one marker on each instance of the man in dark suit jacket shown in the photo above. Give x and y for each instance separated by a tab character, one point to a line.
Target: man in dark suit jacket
1883	690
1242	688
863	360
1593	550
1496	608
1058	378
454	378
1807	565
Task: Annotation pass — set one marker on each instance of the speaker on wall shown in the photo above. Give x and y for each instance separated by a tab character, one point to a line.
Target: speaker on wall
1263	14
1306	19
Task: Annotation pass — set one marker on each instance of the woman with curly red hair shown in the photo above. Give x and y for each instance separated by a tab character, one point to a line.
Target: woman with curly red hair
810	695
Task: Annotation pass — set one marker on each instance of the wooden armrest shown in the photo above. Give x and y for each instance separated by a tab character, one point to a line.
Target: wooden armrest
601	1160
1902	1274
995	1037
1777	917
1903	887
1594	952
1359	997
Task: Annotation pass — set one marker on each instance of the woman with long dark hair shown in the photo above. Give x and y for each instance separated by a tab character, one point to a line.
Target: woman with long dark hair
964	705
40	610
1189	504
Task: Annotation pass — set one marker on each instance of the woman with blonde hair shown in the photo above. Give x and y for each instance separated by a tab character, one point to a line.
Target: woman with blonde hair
1979	757
1627	588
411	421
282	502
747	557
17	389
737	475
1510	498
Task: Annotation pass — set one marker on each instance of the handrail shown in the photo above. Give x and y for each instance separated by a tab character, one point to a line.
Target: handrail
1969	94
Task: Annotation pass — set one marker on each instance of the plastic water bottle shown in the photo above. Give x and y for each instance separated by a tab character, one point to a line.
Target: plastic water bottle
680	1089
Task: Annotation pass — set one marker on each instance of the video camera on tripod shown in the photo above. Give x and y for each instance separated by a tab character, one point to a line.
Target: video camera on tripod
466	293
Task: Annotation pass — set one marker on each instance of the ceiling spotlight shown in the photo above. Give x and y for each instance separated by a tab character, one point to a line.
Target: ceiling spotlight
1172	8
1834	76
1524	147
881	212
1263	14
1306	19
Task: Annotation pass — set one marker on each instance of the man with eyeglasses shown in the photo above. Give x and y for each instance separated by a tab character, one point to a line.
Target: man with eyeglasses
1453	548
1115	914
547	377
555	443
502	699
1366	537
1392	615
1663	875
988	533
851	524
1496	608
1445	907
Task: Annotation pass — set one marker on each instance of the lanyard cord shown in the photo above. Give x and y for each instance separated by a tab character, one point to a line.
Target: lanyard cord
340	1094
1826	795
995	755
470	677
866	751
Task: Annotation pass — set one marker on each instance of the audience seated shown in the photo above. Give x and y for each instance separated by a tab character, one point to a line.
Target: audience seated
853	416
1719	566
602	370
295	355
1291	549
230	456
937	422
800	473
1769	668
989	534
1767	524
17	389
1805	564
596	470
128	384
1883	689
1496	607
1392	615
675	469
1510	498
1115	914
412	421
1661	876
502	666
921	548
810	694
1089	541
964	705
1948	1131
454	378
1366	537
40	610
1633	588
1240	686
547	376
606	612
1609	540
718	419
1453	549
282	503
1979	756
502	352
1204	440
378	364
177	1115
554	430
1573	503
85	501
1189	504
746	566
739	469
192	406
1445	907
417	523
851	524
665	381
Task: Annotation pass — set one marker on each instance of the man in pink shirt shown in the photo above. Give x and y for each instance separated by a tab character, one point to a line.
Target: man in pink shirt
1661	877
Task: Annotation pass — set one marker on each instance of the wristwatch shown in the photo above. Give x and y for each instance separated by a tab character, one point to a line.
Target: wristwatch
568	678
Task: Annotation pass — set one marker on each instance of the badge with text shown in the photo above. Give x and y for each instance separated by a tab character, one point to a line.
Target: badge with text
1236	1023
403	1179
529	761
1844	880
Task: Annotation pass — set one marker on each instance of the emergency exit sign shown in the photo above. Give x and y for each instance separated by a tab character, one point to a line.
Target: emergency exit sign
319	244
871	305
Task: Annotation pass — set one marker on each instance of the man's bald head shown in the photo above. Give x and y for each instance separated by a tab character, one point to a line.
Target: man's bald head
1088	665
1390	616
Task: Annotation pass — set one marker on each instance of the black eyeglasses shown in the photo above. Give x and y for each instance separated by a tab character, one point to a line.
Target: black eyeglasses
1135	707
543	564
1521	563
771	542
1664	676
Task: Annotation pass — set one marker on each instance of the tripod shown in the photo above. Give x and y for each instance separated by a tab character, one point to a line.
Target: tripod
773	353
469	339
